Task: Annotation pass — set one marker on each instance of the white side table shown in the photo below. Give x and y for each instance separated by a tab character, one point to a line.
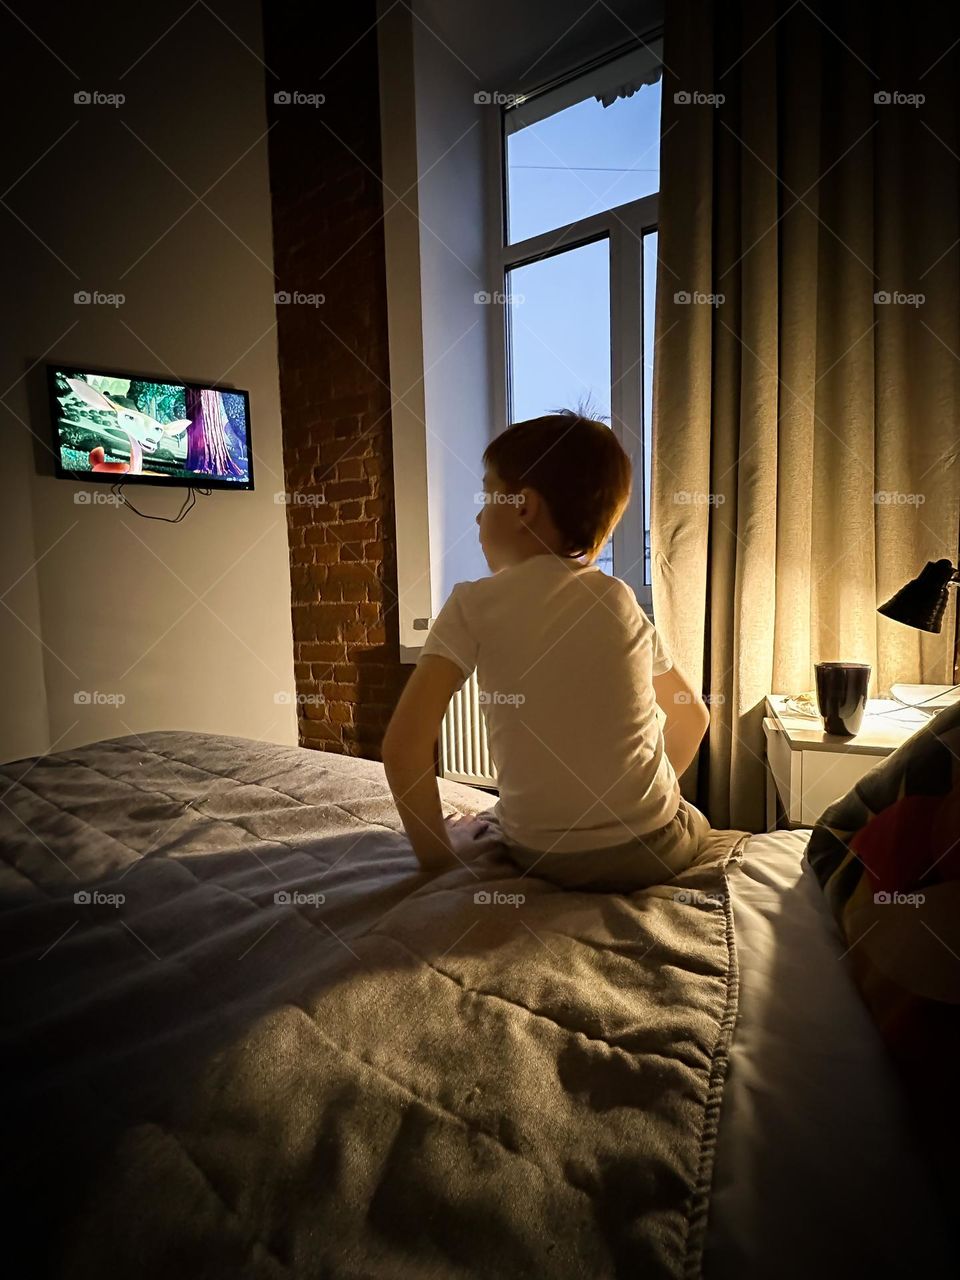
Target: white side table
808	769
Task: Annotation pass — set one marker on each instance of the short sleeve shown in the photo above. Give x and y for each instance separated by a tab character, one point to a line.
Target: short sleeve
451	636
661	659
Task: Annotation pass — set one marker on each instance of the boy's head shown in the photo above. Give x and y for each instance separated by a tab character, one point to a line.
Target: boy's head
558	483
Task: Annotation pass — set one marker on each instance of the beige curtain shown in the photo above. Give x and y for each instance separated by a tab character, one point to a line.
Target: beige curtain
805	434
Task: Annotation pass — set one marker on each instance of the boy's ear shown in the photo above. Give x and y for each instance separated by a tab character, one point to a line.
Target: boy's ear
529	506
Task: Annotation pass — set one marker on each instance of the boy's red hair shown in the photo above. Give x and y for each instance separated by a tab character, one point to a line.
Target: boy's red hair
578	467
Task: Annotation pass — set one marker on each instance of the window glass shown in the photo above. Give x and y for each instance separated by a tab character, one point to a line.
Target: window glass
568	155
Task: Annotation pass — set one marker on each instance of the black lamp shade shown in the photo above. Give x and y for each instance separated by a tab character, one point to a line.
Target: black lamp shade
921	603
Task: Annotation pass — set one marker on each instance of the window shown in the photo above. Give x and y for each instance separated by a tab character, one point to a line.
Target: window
578	256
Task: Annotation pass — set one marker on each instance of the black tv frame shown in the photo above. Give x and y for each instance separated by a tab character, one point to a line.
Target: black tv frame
119	477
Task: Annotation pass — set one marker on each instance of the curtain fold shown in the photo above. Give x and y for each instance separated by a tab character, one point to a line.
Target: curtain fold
805	428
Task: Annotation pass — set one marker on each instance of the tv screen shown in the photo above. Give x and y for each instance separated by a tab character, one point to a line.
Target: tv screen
148	430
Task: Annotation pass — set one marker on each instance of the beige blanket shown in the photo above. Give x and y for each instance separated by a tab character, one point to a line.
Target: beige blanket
249	1038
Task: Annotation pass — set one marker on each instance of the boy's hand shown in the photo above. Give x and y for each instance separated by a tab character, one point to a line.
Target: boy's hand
468	835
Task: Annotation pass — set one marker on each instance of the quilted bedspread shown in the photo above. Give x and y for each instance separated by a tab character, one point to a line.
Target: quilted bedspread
245	1036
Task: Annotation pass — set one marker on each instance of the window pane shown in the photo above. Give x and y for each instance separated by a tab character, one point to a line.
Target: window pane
581	159
649	311
559	318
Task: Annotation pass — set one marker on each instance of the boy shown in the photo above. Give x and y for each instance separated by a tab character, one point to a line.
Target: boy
570	672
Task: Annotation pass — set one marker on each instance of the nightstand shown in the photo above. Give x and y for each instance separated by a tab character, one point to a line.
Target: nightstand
808	769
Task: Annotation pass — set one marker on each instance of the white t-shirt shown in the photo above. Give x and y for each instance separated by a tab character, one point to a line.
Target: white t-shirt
564	657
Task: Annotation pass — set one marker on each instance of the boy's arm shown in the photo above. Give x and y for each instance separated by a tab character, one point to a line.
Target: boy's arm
408	758
687	718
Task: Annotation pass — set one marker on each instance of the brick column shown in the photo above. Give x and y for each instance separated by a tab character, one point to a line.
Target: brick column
334	370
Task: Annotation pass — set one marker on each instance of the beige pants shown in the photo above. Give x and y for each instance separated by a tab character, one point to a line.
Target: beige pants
654	858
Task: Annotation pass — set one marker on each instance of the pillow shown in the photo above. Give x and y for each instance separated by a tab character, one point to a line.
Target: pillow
888	859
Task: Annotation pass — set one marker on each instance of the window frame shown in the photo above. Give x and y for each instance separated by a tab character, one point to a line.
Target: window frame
624	227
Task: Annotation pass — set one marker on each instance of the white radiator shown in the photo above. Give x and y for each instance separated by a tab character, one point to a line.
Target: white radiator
464	754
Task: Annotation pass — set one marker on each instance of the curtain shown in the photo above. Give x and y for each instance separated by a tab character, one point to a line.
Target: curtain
805	432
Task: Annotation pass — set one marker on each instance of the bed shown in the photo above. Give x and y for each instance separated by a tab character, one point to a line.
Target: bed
245	1036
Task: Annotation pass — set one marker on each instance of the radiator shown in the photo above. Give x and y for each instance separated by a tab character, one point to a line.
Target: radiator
464	754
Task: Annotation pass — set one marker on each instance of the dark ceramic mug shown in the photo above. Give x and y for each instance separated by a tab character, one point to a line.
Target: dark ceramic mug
842	696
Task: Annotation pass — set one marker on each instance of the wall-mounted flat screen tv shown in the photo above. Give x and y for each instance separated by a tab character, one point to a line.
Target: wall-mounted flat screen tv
140	429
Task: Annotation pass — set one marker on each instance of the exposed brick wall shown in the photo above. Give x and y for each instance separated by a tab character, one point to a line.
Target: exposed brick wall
334	371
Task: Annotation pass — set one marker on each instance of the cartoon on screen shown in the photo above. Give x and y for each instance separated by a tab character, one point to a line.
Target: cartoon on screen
135	427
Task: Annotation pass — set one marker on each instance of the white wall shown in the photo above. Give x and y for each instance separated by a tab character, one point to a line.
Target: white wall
189	622
454	239
436	235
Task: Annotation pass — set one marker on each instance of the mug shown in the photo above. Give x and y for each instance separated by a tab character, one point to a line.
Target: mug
842	696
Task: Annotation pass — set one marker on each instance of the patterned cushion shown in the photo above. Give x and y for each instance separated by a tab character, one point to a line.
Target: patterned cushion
888	858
